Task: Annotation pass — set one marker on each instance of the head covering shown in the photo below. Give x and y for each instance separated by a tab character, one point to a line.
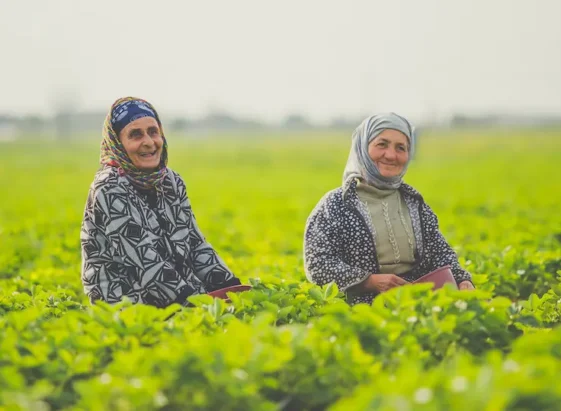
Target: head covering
113	154
361	165
128	111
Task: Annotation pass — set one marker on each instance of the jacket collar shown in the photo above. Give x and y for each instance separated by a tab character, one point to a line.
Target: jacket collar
350	190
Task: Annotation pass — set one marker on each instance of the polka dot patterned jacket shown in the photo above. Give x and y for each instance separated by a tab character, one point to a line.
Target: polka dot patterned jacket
339	243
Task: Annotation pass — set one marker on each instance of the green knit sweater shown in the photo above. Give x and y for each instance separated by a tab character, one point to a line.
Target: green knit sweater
395	242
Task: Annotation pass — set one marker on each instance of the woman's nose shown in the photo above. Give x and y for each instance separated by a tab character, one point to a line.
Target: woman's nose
147	140
390	153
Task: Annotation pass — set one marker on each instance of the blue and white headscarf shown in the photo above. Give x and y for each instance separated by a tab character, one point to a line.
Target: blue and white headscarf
128	111
361	165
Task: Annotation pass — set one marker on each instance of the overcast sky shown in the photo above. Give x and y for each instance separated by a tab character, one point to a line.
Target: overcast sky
266	59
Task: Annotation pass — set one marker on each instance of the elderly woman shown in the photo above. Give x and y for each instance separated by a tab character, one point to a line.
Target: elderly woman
139	235
376	232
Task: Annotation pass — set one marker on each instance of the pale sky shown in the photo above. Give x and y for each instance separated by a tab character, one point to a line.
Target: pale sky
266	59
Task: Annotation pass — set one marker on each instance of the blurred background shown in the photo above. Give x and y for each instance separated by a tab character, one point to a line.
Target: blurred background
260	65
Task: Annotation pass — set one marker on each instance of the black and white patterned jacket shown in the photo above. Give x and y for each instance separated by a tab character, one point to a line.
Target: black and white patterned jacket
145	245
339	243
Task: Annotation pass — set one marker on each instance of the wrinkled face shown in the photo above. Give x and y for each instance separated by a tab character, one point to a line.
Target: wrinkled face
389	151
143	142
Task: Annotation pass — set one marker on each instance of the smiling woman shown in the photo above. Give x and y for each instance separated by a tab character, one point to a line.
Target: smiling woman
142	140
390	152
376	232
139	235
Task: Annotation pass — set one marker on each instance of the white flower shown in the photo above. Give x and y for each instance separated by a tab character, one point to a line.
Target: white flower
160	400
136	383
459	384
436	309
240	374
423	395
412	319
520	272
105	378
332	339
461	305
511	366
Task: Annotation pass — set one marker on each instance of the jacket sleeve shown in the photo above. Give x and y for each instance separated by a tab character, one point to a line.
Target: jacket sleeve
113	267
101	274
207	264
323	260
438	251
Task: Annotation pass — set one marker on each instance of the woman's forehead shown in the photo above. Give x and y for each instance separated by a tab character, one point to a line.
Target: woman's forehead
393	136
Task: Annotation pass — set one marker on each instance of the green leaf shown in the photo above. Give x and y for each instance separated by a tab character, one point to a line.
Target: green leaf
217	308
234	298
284	312
331	291
533	302
200	299
316	294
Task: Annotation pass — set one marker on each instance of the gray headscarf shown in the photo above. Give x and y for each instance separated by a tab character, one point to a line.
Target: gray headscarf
361	165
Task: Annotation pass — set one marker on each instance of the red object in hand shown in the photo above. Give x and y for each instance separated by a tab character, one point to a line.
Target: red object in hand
438	277
233	289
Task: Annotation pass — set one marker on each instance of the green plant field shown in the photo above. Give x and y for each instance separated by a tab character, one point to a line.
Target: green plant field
289	345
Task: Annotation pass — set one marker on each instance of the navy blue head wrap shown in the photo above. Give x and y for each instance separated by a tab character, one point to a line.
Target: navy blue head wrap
129	111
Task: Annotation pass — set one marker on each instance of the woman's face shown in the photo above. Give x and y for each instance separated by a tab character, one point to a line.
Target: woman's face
143	142
390	152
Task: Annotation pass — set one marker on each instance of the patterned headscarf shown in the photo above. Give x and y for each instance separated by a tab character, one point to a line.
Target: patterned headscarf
361	165
113	153
128	111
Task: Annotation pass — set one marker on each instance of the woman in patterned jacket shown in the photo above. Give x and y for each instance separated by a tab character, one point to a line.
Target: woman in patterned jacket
376	232
139	235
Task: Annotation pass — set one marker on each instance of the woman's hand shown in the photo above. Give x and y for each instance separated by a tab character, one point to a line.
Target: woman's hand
384	282
466	285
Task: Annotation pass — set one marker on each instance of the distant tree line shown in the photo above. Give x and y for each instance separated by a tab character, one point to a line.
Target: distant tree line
69	124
